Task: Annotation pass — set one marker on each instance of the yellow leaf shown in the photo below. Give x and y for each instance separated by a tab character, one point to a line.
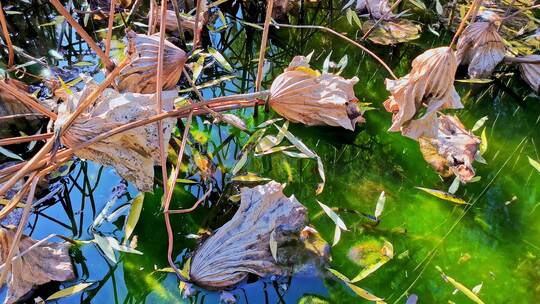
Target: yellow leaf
69	291
444	195
134	214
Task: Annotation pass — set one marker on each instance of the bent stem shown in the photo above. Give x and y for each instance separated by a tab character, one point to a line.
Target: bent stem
473	8
319	27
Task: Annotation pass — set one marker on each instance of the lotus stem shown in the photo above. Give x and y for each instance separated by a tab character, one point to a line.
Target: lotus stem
27	100
159	89
109	28
473	8
5	32
78	28
366	35
178	22
264	41
22	139
197	203
196	32
319	27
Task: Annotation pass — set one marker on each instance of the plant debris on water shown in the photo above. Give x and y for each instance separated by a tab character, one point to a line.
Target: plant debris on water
269	151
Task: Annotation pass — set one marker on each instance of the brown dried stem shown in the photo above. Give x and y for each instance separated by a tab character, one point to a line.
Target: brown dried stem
109	28
179	21
27	100
264	40
78	28
197	203
366	35
159	88
5	32
331	31
23	139
196	32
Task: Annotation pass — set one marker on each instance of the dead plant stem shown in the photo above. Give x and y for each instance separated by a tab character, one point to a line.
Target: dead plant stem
5	32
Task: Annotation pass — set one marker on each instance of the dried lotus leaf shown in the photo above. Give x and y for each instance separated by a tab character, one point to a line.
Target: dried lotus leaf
9	104
140	75
376	8
453	150
530	72
303	95
171	23
481	47
430	82
132	153
242	245
392	32
47	262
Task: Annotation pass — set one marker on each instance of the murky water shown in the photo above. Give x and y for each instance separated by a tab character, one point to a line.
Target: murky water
495	241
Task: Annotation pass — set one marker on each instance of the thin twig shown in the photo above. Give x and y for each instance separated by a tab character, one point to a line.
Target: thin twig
78	28
197	203
27	100
366	35
5	32
178	21
22	115
23	139
152	17
170	237
318	27
109	28
262	50
521	11
472	8
159	88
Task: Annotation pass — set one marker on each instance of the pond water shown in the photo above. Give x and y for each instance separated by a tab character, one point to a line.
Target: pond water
494	241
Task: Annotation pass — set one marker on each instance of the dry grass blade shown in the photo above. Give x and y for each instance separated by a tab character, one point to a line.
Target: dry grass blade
78	28
5	32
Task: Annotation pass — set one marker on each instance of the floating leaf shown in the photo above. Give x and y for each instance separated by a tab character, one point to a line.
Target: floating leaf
273	245
333	216
471	295
337	236
454	186
380	205
133	216
476	289
339	275
444	195
363	293
123	248
185	181
105	246
9	154
66	292
240	164
484	143
479	123
249	178
534	163
217	55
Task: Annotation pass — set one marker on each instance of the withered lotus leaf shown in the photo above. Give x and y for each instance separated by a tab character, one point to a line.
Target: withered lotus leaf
132	153
481	47
430	83
530	72
242	245
140	75
47	262
453	150
171	23
303	95
376	8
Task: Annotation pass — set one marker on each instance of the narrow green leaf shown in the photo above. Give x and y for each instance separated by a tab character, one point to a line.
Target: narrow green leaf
337	236
534	163
363	293
444	195
66	292
484	143
240	164
198	67
249	178
479	123
380	205
471	295
186	181
217	55
9	154
133	216
333	216
454	186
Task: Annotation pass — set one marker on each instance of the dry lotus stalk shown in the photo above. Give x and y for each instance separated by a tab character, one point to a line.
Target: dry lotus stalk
481	47
430	82
530	72
453	150
376	8
303	95
242	245
46	262
140	76
132	153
